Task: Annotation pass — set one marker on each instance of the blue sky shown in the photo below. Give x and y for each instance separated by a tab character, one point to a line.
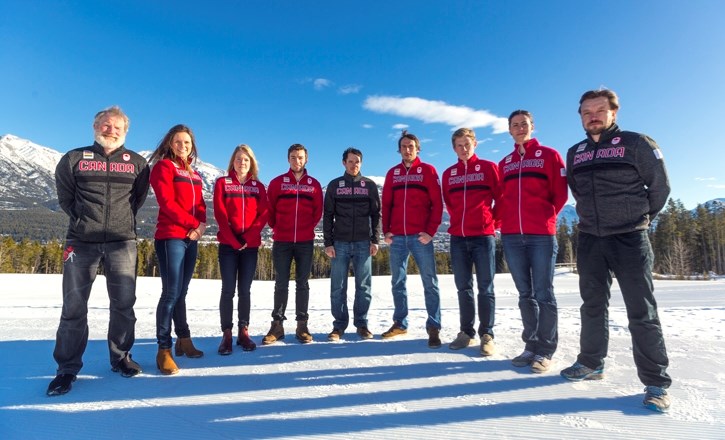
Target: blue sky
333	74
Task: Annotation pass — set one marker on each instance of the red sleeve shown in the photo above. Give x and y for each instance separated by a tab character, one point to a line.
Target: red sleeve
272	193
200	203
559	189
226	235
436	199
262	212
387	201
497	190
162	181
446	189
317	202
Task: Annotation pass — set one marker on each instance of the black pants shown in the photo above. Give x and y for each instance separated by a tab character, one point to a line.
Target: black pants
283	252
629	256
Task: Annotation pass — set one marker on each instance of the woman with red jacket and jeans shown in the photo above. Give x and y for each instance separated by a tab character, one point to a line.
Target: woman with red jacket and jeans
240	209
181	223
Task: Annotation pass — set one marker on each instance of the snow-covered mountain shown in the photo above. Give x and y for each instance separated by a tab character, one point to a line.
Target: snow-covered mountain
27	171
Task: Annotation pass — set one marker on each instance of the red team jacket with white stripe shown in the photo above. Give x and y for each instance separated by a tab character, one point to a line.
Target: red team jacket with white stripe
534	190
470	189
240	210
295	208
181	204
412	201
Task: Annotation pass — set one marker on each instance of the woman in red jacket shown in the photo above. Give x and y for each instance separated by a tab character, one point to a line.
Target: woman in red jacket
181	223
240	209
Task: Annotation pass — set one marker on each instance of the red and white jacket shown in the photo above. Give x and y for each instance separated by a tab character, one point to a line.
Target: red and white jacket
295	207
470	190
534	190
412	201
181	204
240	210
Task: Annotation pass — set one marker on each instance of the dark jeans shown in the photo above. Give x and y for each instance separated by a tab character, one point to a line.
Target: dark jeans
467	253
630	257
177	259
237	270
283	252
532	260
359	253
402	247
79	272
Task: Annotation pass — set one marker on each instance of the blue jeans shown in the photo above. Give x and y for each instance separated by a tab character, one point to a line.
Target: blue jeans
237	270
359	253
467	253
531	260
81	261
283	252
401	248
177	259
630	257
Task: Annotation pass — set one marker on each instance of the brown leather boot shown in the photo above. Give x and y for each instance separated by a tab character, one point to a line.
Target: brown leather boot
276	333
184	346
225	347
244	340
165	362
303	334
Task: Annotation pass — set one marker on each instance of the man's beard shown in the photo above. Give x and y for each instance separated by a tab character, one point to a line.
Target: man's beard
108	143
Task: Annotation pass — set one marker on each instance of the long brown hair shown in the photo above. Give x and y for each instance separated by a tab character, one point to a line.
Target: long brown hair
164	150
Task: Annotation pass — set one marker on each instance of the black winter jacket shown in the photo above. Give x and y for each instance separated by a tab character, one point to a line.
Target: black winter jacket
352	210
620	183
101	194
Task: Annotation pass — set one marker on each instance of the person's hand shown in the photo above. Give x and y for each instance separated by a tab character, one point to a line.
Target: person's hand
330	251
193	234
242	241
389	238
424	238
201	228
373	249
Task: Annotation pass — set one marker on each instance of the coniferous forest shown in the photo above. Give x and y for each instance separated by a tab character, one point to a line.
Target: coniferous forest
685	243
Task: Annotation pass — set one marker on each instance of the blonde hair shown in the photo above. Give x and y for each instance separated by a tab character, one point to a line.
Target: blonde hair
253	166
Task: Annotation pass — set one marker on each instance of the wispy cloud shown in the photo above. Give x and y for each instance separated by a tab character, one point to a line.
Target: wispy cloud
367	126
349	89
400	126
717	186
436	111
321	83
705	179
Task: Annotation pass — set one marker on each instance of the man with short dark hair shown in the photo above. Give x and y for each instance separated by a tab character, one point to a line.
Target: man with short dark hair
295	208
101	187
471	188
620	184
351	227
412	212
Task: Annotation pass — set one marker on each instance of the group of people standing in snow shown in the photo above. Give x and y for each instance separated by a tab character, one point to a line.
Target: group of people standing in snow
618	180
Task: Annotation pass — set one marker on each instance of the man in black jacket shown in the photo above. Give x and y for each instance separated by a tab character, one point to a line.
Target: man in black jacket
101	187
620	184
351	227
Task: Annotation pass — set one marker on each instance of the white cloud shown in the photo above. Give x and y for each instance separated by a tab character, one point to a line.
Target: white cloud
349	89
718	186
400	126
367	126
436	111
321	83
703	179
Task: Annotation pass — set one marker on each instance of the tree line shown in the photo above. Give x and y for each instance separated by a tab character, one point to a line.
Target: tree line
685	243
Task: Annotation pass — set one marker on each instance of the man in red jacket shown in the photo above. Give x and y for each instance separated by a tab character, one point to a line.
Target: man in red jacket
412	211
295	208
470	189
534	191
